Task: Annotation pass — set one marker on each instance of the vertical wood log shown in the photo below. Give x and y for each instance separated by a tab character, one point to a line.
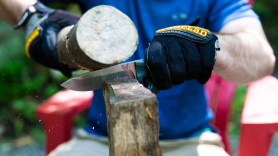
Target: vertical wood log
132	116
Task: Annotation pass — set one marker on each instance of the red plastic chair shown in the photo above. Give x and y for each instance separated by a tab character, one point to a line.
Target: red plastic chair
57	115
220	96
251	2
58	112
259	120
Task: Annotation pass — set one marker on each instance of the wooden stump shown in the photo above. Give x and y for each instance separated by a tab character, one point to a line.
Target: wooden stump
102	37
132	116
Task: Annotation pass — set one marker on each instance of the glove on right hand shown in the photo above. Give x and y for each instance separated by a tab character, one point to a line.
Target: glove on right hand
181	53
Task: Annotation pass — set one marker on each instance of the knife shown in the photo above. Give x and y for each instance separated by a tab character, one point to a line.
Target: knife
94	80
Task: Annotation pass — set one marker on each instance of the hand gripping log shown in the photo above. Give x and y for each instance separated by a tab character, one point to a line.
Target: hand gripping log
102	37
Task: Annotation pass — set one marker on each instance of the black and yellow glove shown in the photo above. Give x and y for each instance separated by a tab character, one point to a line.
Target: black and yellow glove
42	25
181	53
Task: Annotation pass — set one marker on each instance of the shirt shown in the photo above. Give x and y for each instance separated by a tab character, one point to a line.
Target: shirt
183	109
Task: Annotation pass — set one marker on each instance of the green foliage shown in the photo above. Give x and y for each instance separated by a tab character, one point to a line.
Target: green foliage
23	85
267	11
237	105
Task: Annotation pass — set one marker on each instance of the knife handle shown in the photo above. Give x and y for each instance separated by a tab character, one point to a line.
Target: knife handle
143	76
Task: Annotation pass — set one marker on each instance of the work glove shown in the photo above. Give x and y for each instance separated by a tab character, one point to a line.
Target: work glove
181	53
42	25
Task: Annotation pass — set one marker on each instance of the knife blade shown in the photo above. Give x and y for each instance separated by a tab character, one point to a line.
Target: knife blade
94	80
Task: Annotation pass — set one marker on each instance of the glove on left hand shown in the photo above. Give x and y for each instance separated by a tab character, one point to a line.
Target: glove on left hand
41	31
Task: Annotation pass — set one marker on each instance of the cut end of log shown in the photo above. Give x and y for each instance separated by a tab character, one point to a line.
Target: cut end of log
106	35
103	36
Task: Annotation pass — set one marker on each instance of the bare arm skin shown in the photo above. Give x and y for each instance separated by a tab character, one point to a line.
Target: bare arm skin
12	10
245	52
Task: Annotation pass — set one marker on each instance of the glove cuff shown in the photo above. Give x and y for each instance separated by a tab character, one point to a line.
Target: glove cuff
192	33
29	12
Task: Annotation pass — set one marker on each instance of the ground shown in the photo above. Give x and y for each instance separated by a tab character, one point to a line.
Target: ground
32	148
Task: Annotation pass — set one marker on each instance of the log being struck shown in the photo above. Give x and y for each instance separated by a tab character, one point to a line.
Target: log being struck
102	37
132	119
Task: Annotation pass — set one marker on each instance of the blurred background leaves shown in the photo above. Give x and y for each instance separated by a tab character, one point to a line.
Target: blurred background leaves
23	85
267	11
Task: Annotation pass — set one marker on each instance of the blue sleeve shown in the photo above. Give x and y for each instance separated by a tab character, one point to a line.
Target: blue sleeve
224	11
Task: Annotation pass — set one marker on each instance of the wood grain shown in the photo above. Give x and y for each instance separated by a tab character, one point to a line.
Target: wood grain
132	119
103	36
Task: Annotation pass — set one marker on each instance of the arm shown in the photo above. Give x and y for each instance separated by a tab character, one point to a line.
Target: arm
41	25
11	10
182	53
245	53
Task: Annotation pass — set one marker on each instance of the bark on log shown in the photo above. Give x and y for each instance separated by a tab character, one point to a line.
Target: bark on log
102	37
132	119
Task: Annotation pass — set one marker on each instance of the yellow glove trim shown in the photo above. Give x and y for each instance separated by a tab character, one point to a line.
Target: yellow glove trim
30	39
196	30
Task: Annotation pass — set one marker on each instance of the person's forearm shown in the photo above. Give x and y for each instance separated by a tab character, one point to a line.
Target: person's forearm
11	10
244	57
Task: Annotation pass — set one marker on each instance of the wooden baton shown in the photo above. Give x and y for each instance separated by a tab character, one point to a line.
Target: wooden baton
103	36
